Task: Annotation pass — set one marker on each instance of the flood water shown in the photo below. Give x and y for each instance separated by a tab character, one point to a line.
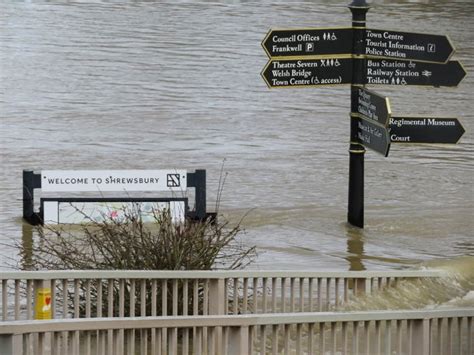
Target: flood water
153	85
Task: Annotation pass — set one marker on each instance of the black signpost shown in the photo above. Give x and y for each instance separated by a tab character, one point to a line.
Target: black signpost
359	56
407	129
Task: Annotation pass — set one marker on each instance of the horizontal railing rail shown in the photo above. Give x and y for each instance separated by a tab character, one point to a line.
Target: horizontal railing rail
419	332
85	294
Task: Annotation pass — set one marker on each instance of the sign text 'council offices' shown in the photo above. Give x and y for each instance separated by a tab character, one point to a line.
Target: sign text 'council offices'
113	180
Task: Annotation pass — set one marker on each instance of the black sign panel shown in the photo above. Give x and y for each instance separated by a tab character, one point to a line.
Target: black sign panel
373	136
401	72
407	45
308	42
371	105
307	72
425	130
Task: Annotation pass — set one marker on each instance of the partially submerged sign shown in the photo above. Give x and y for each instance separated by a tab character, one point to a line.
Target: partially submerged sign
112	180
125	183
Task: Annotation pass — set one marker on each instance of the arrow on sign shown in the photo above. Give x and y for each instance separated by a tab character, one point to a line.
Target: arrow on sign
400	72
373	136
308	42
425	130
307	72
371	106
407	45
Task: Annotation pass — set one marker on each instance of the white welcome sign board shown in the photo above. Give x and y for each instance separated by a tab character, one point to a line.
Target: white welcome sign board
113	180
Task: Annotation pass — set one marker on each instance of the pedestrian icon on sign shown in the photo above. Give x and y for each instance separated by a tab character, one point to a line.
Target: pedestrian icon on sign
173	180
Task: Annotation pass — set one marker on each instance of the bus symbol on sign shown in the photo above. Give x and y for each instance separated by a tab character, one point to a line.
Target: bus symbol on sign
173	180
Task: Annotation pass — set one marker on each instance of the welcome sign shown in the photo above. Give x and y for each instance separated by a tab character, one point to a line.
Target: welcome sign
113	180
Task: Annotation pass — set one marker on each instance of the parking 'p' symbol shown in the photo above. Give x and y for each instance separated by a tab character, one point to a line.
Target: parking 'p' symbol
310	47
173	180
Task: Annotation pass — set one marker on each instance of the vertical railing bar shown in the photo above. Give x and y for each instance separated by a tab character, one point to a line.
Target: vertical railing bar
29	299
205	305
286	344
274	291
328	293
322	340
263	338
301	301
164	312
333	338
366	336
87	313
76	298
450	336
255	296
320	302
283	295
336	292
264	298
185	313
377	336
174	331
388	337
4	300
110	297
292	294
310	293
470	335
399	336
355	334
344	335
298	339
236	296
17	299
459	335
153	309
65	298
346	289
143	298
274	337
131	332
246	295
311	349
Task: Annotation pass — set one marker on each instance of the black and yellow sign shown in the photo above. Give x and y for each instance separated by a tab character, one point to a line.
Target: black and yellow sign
405	129
307	72
403	72
308	42
408	45
371	106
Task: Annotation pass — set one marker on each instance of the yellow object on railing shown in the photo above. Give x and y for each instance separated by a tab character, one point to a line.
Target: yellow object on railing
43	303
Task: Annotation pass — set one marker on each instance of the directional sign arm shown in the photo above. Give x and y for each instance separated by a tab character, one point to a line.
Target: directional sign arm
438	130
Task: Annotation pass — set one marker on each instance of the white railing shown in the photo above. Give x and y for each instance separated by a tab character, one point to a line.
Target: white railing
435	332
85	294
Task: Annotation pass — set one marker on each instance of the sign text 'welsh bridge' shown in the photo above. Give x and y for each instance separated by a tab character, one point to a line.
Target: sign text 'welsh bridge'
361	56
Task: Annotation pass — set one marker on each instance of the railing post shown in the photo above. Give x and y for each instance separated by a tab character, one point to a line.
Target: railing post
420	337
217	306
239	341
216	296
11	344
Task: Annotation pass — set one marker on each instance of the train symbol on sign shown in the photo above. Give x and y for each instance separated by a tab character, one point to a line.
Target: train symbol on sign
173	180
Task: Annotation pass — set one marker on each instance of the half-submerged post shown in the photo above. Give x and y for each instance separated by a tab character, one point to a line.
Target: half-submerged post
355	213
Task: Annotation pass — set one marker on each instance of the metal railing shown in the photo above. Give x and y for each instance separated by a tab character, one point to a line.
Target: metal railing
85	294
434	332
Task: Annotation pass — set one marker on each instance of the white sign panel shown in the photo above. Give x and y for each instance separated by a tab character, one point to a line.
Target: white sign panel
112	180
55	212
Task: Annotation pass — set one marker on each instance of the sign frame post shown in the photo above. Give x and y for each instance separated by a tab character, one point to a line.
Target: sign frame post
355	209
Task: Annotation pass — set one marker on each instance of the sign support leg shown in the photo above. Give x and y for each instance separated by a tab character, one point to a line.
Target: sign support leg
355	212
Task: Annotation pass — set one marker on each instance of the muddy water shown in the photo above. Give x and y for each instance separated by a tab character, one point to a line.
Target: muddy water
141	85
